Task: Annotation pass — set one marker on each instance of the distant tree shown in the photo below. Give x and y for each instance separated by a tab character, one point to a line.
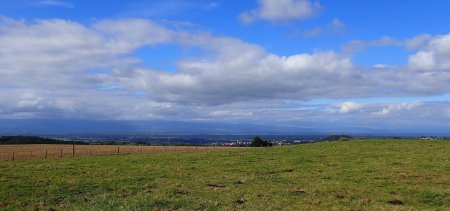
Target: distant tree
35	140
109	143
141	143
337	138
259	142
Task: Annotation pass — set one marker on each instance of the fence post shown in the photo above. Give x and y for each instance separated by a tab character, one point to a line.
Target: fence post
13	156
141	149
90	150
118	150
46	154
73	150
60	155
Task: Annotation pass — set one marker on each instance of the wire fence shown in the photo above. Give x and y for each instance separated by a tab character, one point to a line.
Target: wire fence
45	151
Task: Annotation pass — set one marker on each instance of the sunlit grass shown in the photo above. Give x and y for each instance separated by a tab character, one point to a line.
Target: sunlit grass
375	174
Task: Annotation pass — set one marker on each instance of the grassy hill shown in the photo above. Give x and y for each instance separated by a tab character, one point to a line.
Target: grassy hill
358	174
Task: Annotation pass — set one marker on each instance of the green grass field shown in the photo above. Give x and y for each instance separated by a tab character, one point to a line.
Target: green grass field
358	174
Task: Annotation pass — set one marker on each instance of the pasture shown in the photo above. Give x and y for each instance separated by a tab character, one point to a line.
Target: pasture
350	175
43	151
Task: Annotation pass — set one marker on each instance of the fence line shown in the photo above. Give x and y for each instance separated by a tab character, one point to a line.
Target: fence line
29	152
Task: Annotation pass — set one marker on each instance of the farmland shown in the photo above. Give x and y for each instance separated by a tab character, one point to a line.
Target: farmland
357	174
42	151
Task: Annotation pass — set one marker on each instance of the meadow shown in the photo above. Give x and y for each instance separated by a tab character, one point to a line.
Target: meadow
344	175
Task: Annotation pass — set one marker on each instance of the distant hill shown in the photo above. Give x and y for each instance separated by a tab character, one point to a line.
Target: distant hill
34	140
44	127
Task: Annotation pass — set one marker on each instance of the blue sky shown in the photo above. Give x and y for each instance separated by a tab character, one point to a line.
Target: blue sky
375	64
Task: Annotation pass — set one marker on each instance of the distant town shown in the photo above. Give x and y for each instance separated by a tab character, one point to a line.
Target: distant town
217	140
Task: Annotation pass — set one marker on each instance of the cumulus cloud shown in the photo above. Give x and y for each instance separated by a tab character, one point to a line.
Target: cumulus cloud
435	56
413	117
398	108
52	77
59	51
430	52
253	74
281	10
349	107
225	76
46	66
417	42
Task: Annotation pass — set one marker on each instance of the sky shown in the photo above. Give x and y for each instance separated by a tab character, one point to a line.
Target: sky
344	66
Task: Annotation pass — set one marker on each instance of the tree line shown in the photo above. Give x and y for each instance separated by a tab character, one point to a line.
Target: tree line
35	140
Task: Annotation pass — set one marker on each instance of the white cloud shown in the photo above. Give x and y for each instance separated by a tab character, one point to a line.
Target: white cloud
212	5
56	3
349	107
417	42
397	108
447	112
356	46
281	10
382	66
129	34
167	8
434	56
52	77
252	74
335	27
59	51
424	60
